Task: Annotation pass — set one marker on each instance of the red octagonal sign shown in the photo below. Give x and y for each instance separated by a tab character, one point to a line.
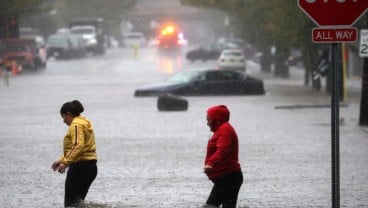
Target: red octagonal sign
334	12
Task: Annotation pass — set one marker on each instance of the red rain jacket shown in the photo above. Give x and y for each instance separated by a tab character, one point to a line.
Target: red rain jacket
222	151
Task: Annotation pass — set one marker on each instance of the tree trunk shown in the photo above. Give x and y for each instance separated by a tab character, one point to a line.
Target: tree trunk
308	63
363	118
281	63
311	56
266	59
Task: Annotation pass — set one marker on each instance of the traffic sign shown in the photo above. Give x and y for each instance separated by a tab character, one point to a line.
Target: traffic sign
334	17
334	35
363	50
334	12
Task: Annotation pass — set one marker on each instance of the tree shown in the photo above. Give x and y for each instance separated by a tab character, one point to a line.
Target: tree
281	23
113	11
267	23
20	7
11	10
36	12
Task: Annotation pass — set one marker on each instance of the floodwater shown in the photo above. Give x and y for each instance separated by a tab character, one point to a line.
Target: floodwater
148	158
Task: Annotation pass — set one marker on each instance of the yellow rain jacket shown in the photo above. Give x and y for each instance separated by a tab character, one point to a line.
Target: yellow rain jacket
79	142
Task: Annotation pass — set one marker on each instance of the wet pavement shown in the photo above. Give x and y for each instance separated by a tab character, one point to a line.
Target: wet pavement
149	158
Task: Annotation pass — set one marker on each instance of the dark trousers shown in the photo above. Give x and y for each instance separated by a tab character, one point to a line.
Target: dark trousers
78	180
225	190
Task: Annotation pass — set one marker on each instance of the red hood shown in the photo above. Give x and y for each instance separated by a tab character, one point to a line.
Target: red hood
218	114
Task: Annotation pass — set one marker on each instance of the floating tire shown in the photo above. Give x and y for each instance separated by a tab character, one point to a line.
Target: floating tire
171	103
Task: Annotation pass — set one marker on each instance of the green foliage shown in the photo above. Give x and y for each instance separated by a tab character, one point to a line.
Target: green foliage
20	7
112	11
36	12
108	9
266	23
278	22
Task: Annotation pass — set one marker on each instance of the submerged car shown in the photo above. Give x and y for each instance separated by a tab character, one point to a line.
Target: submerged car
205	82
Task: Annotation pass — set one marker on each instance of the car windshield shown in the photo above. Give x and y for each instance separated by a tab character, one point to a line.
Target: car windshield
57	41
233	53
183	77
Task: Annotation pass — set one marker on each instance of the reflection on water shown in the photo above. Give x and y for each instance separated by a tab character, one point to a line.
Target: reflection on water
170	62
166	65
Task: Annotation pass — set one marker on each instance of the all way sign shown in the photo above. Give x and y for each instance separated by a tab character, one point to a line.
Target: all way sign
334	35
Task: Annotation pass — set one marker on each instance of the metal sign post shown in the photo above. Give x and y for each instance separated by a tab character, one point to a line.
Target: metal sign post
335	124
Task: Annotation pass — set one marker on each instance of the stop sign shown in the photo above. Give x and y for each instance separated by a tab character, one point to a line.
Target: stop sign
334	12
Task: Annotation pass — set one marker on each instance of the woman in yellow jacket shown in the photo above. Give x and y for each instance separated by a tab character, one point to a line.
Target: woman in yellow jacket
79	154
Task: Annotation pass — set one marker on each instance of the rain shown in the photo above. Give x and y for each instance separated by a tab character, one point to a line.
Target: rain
149	157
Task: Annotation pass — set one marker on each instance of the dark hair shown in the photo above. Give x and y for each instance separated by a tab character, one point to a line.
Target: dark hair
74	107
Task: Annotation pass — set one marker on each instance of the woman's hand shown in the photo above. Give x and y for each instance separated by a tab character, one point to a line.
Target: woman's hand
208	168
59	166
55	165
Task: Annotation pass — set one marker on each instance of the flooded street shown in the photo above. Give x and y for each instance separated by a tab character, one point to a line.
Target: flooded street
148	158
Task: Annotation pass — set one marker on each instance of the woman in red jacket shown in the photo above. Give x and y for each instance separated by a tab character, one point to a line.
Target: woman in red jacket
221	164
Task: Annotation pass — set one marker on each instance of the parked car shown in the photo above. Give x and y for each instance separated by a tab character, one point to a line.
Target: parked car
65	46
232	59
24	52
204	53
205	82
133	39
35	35
79	44
89	36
